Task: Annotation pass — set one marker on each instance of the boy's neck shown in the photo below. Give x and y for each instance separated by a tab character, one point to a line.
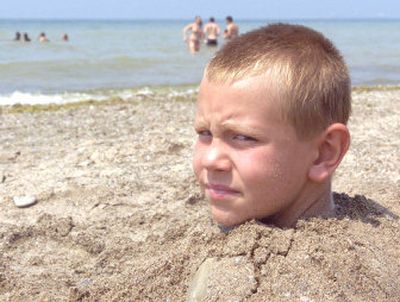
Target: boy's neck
319	202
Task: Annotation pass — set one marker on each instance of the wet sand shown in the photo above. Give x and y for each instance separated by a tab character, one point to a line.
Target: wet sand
119	216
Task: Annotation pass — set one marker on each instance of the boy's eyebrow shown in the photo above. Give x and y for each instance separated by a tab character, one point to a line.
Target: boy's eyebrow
231	126
200	123
241	128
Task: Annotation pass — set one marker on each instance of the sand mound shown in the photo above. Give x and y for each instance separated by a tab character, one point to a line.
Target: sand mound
119	216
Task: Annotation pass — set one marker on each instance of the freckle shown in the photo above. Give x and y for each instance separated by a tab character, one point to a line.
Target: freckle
277	172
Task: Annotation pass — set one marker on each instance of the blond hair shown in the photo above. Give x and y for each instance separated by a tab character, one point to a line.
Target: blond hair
309	72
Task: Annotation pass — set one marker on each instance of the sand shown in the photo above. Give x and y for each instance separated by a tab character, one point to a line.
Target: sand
119	216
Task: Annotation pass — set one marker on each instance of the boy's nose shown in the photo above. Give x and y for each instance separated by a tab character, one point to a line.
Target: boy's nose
216	158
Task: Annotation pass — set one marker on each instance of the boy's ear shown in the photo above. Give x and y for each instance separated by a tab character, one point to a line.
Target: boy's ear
332	145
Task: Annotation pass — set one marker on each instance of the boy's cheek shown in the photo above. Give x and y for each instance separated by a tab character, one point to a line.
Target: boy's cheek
196	162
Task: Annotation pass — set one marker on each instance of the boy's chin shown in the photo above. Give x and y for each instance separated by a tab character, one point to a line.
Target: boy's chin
227	220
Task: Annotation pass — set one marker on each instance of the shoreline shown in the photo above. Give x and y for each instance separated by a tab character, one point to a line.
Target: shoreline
32	99
180	91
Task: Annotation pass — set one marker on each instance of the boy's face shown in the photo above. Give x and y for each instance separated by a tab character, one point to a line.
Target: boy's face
248	161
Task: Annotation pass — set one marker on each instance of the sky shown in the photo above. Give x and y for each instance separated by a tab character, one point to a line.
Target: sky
180	9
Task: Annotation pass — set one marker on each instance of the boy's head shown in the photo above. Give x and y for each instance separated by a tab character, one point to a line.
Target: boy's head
271	116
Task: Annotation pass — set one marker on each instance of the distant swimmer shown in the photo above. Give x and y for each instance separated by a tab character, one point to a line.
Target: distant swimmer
65	38
26	38
195	32
211	31
232	30
43	38
17	36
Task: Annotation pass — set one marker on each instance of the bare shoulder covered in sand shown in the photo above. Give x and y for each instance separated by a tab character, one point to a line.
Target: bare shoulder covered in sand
118	215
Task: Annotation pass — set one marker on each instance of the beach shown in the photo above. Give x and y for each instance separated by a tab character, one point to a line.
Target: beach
119	216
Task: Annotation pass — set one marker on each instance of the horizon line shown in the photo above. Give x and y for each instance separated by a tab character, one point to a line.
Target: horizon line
376	18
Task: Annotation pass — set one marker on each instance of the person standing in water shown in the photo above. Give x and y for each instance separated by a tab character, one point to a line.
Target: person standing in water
26	38
232	30
43	38
211	31
17	36
193	33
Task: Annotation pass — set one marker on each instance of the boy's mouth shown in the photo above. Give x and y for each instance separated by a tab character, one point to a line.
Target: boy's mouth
216	191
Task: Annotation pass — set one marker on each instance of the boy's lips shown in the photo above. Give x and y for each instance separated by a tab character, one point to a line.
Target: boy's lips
217	191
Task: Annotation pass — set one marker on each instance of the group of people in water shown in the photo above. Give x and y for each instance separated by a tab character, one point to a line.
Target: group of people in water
194	33
42	37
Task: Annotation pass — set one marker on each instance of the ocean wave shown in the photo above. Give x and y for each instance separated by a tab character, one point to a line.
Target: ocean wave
24	98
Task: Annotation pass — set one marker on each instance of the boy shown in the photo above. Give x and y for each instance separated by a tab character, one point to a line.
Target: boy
271	122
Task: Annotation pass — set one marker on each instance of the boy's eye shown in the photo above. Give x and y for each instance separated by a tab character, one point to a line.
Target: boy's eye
204	134
244	138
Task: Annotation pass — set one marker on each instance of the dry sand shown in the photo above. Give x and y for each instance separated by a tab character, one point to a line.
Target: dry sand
119	216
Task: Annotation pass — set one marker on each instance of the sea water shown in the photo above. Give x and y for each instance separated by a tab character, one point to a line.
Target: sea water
120	58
